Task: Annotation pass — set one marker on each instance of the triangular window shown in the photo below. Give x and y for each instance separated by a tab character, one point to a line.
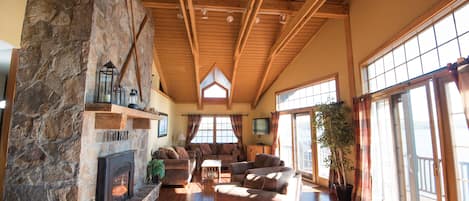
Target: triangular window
215	85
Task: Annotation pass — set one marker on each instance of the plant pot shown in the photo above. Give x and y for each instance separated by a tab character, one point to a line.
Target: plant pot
344	193
155	179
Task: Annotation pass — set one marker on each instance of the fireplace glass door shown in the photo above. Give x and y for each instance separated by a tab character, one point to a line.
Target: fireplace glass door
120	187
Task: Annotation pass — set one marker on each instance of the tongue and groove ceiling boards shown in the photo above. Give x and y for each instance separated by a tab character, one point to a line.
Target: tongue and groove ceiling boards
250	41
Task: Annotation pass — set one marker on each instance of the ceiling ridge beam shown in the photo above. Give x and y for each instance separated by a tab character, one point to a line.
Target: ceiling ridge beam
328	10
292	28
189	22
249	19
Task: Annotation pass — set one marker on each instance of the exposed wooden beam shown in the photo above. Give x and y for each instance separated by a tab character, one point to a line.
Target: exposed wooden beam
189	21
328	10
288	33
350	63
159	69
134	35
248	21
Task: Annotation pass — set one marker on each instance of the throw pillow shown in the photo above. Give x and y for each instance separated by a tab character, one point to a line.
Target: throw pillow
254	181
260	160
162	153
205	148
182	153
172	154
227	148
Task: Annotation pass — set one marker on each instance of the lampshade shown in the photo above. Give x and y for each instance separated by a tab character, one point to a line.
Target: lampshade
182	137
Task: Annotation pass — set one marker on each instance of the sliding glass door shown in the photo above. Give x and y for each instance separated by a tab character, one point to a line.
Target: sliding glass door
286	139
418	144
304	152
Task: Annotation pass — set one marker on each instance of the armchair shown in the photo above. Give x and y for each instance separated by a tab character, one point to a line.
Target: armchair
239	169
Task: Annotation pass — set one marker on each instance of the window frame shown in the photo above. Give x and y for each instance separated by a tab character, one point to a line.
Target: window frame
428	20
333	76
214	131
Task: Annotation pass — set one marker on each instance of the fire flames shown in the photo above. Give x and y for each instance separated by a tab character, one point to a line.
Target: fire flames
119	191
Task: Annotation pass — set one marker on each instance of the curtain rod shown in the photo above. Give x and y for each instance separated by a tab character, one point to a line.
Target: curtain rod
214	114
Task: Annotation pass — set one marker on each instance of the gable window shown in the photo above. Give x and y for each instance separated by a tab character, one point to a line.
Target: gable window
426	51
215	86
216	129
324	91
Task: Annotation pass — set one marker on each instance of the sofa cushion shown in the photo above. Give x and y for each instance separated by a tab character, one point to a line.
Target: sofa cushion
172	154
227	149
205	148
274	178
162	154
253	181
181	151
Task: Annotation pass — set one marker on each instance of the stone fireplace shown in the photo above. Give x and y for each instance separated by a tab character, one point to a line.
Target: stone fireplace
115	177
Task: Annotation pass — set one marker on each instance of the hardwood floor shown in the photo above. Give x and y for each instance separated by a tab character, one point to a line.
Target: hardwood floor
194	191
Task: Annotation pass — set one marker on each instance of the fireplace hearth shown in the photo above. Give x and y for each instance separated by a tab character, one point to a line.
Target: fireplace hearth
115	177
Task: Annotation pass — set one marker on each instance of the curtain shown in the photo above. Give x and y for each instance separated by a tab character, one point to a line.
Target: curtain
463	85
274	131
193	123
361	111
237	125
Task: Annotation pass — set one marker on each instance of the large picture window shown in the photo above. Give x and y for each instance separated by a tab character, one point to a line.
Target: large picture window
215	129
430	49
317	93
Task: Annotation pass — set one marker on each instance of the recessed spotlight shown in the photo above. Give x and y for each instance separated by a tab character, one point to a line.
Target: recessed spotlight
230	19
283	19
204	13
179	16
258	20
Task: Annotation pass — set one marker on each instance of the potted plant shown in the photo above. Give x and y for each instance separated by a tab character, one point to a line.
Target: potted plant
336	123
155	170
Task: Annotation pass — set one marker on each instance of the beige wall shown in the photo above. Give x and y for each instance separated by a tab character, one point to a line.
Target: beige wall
375	22
324	55
11	20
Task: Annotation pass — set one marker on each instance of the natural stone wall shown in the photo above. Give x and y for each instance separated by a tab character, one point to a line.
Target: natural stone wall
53	151
111	40
44	142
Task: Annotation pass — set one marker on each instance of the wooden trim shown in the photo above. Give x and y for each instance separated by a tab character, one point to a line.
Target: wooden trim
159	69
291	29
332	76
164	95
412	27
7	114
328	10
210	70
350	64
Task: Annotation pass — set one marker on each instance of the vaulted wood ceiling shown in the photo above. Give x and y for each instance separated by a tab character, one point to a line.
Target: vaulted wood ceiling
251	53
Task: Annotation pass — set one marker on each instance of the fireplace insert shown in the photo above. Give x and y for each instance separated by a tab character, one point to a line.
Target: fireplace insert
115	177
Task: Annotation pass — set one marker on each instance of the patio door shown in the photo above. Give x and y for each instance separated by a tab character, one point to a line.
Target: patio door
303	136
417	144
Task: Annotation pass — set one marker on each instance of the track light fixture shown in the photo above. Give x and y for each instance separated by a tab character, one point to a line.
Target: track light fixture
230	19
258	20
283	19
179	16
204	13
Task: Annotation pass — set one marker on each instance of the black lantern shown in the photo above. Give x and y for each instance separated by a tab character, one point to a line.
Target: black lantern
118	95
106	78
133	99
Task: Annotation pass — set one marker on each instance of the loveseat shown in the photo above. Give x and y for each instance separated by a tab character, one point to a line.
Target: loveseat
263	184
179	164
227	152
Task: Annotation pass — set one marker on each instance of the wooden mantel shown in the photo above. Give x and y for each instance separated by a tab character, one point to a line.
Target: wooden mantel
110	116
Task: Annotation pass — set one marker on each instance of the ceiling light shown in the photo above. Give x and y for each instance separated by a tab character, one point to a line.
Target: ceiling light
258	20
283	19
204	13
230	19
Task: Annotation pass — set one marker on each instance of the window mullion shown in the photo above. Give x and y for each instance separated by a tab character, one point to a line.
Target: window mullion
214	130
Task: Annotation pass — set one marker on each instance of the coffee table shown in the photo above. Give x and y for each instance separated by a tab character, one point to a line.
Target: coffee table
211	170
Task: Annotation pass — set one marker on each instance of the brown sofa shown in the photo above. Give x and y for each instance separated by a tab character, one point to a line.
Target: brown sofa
263	184
179	165
239	169
228	152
